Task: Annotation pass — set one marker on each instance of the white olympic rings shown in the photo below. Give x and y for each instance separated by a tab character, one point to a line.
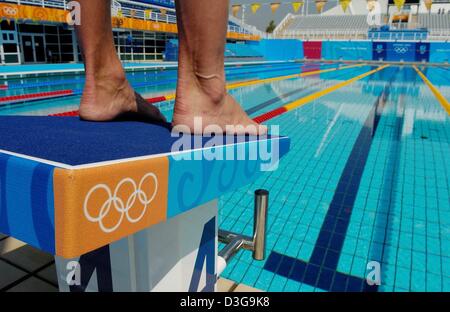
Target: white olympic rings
10	11
401	50
119	205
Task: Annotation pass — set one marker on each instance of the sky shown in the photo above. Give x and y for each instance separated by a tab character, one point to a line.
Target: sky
264	15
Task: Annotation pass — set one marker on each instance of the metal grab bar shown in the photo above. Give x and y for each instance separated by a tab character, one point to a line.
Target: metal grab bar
235	242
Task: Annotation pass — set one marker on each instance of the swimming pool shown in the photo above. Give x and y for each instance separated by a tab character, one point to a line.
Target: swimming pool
367	178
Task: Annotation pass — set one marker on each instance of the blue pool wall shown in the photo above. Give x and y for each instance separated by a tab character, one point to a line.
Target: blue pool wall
440	52
347	50
293	49
280	49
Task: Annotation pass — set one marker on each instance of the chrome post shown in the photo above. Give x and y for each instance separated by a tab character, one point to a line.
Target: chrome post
257	244
260	224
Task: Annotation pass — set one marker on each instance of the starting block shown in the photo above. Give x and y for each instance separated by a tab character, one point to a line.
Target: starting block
125	205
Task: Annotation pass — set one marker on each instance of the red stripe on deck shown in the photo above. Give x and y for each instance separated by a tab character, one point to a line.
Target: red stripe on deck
270	115
3	87
35	96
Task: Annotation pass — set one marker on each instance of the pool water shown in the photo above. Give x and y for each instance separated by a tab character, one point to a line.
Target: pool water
367	180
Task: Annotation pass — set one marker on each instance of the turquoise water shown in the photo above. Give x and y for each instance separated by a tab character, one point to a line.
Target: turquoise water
367	178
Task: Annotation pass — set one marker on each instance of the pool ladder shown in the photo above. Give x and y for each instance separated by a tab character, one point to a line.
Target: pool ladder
235	242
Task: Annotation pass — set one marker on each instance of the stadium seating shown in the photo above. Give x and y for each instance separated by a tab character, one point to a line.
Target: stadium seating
330	22
435	21
350	26
438	25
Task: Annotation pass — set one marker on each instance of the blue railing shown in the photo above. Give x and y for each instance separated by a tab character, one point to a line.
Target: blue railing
397	34
164	3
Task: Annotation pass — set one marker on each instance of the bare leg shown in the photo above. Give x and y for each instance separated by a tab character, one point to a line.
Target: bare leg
201	78
107	93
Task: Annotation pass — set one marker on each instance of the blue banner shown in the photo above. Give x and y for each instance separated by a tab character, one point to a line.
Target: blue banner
439	52
422	51
401	51
346	50
379	52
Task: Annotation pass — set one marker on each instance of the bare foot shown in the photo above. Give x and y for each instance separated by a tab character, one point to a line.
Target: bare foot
109	96
203	102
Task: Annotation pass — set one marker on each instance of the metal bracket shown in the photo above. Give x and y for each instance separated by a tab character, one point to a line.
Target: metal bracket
235	242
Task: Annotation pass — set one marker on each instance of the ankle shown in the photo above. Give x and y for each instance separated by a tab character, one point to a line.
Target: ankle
213	88
107	69
106	78
207	85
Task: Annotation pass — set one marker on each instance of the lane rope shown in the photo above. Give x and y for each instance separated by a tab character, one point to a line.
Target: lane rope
302	101
442	100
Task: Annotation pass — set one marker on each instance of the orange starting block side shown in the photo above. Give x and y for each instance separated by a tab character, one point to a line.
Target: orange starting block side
107	203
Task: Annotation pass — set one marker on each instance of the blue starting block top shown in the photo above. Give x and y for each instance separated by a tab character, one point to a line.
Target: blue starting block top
69	186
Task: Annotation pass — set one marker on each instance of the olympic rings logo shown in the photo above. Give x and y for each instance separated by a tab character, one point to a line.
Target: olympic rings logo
10	11
401	50
123	207
119	22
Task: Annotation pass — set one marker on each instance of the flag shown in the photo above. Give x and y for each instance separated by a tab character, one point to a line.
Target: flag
345	4
399	4
428	4
320	4
371	5
235	9
255	7
296	6
274	7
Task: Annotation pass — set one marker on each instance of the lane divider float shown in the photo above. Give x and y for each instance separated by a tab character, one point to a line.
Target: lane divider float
442	100
34	96
232	71
61	93
314	96
170	97
236	85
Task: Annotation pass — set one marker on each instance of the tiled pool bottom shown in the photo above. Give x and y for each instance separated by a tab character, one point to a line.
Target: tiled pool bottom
394	209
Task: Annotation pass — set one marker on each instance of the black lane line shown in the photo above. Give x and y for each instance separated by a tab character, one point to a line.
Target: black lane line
274	100
321	270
